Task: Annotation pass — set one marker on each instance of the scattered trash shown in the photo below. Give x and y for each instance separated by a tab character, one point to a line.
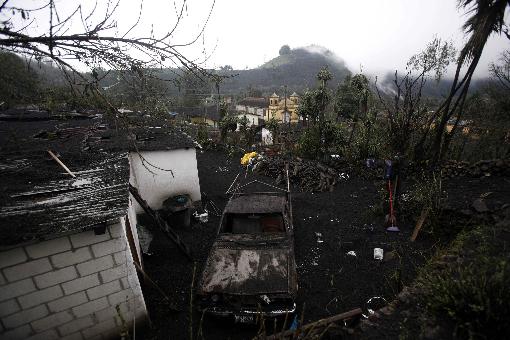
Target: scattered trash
378	253
294	324
371	163
222	169
369	227
319	237
351	253
203	218
248	157
374	303
343	175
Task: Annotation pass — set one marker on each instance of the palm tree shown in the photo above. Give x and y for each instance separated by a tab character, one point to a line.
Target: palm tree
487	17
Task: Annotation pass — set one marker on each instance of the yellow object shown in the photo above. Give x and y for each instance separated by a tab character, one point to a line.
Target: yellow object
247	156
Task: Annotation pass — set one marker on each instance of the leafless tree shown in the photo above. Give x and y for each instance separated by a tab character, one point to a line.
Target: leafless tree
92	38
406	111
501	71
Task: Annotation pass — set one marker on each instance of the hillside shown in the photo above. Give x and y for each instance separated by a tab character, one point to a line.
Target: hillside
297	69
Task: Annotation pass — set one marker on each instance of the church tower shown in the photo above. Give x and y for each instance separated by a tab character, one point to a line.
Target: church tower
273	106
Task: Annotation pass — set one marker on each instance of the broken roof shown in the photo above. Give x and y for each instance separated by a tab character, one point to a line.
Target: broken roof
255	102
210	111
256	204
39	200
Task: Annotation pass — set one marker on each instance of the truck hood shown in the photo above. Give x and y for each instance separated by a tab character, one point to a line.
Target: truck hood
248	265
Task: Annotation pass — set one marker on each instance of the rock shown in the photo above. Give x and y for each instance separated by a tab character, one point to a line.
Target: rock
406	313
480	206
366	325
449	258
430	332
404	296
386	310
391	255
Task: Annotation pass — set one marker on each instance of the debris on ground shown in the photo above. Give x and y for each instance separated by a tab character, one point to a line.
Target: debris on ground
316	329
481	168
309	175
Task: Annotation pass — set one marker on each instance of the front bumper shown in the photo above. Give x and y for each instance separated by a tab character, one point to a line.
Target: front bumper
271	311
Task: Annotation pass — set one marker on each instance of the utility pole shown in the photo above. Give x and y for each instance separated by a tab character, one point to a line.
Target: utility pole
286	113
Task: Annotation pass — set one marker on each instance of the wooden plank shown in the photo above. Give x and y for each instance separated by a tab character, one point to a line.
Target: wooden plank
164	227
61	164
419	223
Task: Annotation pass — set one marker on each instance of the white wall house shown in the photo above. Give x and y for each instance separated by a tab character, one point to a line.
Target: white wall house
69	246
70	287
253	106
67	253
253	120
159	175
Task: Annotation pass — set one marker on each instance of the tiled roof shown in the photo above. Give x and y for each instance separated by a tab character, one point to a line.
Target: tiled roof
254	102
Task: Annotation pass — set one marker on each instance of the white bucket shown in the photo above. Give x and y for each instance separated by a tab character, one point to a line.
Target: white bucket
378	253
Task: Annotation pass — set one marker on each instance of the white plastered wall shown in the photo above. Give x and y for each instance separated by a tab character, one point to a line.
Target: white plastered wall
150	174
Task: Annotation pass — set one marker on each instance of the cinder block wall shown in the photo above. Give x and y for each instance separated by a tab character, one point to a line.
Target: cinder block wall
69	287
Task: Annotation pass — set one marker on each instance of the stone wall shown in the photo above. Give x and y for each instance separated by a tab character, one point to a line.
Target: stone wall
69	287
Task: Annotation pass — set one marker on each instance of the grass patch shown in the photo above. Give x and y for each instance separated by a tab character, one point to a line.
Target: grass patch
471	296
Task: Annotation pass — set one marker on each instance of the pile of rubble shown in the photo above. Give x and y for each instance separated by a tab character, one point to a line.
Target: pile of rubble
309	175
491	167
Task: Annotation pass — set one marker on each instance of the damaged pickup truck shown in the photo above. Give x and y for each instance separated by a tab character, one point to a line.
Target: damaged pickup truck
251	268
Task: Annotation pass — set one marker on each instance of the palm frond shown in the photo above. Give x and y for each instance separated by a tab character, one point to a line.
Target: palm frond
486	17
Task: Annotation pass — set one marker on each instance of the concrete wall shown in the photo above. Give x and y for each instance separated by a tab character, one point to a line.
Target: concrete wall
156	185
252	110
68	287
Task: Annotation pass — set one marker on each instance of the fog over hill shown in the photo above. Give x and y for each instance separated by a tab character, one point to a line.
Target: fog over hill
297	68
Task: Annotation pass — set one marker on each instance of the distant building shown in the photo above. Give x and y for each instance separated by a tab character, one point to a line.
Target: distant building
283	109
200	115
253	105
253	108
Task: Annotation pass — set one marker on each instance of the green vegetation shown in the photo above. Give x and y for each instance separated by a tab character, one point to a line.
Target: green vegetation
18	80
473	295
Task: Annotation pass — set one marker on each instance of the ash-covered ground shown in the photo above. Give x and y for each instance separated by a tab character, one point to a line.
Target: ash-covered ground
330	280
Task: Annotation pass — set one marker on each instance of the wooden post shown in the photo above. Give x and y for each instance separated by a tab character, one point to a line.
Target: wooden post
61	164
419	223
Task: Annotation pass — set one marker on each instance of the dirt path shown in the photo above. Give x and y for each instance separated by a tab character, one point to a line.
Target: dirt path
330	280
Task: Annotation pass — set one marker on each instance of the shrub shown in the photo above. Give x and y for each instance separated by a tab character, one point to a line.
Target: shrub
474	297
310	143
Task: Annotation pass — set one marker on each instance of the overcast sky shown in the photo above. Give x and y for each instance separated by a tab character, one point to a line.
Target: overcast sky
379	35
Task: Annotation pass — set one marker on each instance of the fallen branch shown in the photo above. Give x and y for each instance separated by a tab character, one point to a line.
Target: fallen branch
147	277
314	325
165	228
